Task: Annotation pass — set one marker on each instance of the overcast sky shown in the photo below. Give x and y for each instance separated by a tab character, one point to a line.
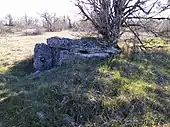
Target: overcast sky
31	7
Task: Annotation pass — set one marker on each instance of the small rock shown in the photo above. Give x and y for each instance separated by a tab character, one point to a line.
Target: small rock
31	76
125	108
40	115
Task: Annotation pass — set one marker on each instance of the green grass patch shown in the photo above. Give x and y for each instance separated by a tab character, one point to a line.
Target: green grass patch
155	42
120	91
2	69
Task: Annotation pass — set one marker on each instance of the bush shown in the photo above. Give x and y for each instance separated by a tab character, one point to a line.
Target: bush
32	32
6	29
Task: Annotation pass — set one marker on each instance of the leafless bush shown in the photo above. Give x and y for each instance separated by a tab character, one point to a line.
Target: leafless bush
53	23
32	32
6	29
27	22
26	25
32	26
164	28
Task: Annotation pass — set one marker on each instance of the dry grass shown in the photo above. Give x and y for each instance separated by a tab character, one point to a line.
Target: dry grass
16	47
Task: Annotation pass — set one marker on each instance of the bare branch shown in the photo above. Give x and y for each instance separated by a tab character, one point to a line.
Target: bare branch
108	16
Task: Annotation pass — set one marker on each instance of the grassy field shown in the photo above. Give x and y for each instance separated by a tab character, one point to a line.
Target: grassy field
124	91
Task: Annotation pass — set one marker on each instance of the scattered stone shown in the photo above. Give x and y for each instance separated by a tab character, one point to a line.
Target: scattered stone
40	115
69	121
31	76
65	100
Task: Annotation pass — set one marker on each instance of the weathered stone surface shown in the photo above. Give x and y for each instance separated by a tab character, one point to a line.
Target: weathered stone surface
65	56
42	57
93	55
61	50
63	43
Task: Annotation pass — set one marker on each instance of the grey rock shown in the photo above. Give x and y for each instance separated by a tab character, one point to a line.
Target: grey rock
65	56
93	55
125	108
62	50
42	57
36	73
57	42
40	115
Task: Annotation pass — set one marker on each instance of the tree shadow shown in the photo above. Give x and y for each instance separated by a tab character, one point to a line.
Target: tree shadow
21	68
60	94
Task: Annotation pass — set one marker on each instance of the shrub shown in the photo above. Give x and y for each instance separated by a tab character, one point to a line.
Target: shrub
6	29
32	32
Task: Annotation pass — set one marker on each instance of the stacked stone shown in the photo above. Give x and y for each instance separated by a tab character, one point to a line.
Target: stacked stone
62	50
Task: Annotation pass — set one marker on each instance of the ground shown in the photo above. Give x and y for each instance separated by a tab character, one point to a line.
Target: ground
129	90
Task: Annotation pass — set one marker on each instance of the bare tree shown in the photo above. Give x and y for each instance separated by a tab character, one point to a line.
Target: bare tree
9	20
69	22
28	21
53	23
109	16
50	21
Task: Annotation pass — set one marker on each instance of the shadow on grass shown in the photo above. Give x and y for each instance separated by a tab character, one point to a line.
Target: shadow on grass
122	91
21	68
16	73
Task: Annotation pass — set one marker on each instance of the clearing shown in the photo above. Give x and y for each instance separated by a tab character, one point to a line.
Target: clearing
122	91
